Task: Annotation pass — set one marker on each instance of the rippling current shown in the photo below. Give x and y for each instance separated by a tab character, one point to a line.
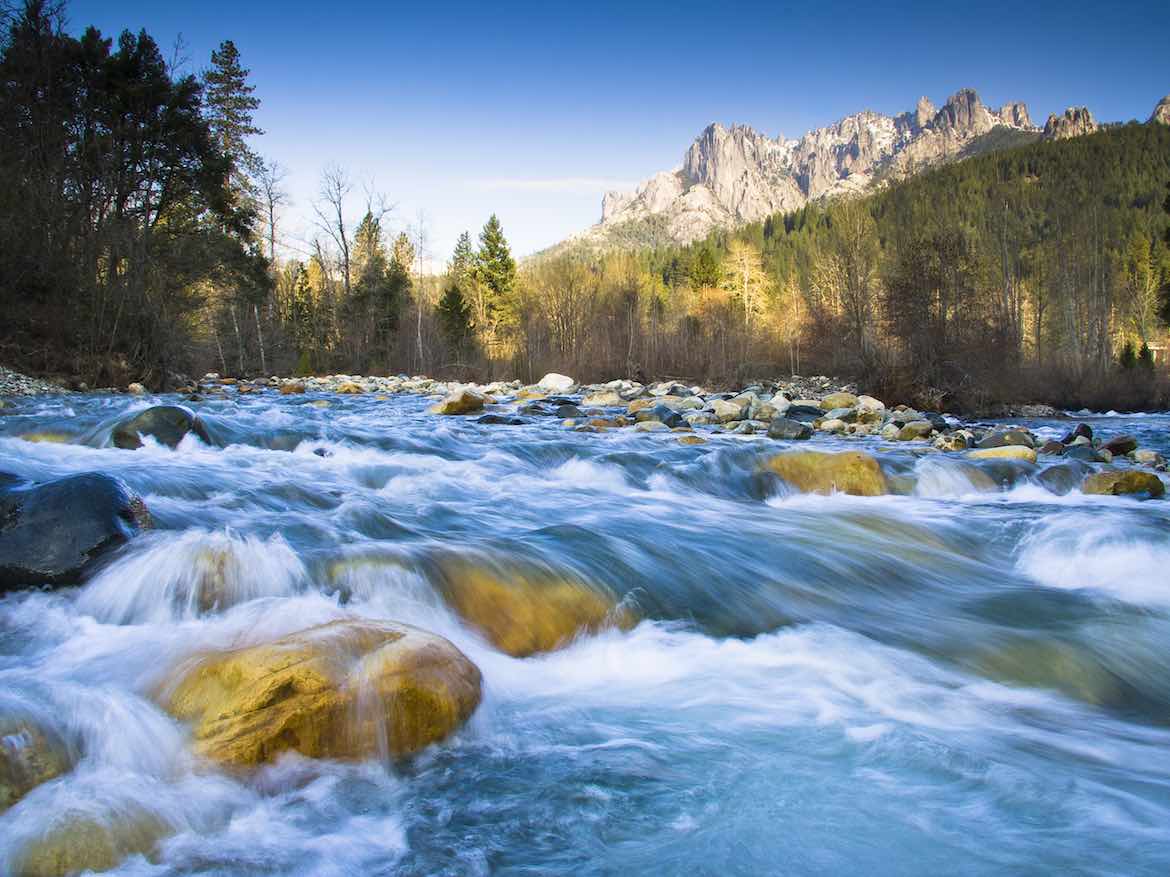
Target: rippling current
973	678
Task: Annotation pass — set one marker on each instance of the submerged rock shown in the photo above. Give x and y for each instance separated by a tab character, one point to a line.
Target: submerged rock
849	472
166	424
78	843
349	689
53	533
1117	482
29	755
462	401
524	611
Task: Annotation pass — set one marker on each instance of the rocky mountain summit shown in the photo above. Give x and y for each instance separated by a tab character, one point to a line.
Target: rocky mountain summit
1073	122
732	176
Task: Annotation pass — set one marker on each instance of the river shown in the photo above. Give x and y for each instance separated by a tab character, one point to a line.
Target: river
959	680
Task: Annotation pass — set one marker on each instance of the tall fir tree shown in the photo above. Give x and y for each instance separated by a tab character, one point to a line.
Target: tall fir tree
454	316
463	259
230	104
495	270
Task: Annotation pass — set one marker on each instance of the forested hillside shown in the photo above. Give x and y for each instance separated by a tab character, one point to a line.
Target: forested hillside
141	239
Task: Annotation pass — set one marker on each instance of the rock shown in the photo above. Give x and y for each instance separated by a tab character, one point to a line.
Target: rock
1073	122
786	428
349	388
850	472
568	411
1120	445
914	430
502	420
53	533
523	611
833	426
1083	451
529	394
462	401
869	403
78	842
602	399
1006	452
838	400
691	440
954	441
651	426
166	424
727	410
1147	457
1052	449
1064	477
1005	438
660	413
291	389
555	383
1081	430
1117	482
341	690
1161	114
136	389
845	415
55	438
804	413
29	755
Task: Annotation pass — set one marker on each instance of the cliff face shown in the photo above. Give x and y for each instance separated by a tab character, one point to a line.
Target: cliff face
1073	122
730	176
1161	114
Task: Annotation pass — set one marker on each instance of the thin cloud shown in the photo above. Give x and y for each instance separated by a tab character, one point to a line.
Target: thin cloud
555	184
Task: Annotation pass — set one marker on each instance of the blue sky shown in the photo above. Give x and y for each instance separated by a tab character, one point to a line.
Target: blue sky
532	110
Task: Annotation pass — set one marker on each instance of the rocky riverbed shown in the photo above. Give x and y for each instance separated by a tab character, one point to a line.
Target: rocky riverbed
403	626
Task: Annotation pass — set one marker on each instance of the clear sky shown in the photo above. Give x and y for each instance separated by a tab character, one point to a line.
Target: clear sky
533	110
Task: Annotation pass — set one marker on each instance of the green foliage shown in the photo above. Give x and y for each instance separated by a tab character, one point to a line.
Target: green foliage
229	103
454	317
1145	357
495	269
1126	359
704	269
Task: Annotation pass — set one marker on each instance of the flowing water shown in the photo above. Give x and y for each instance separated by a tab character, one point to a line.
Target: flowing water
971	678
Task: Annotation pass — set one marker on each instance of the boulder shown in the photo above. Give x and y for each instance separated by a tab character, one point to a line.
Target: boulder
1120	445
1081	430
349	689
568	411
651	426
833	426
1006	438
805	413
602	399
691	440
1005	452
136	389
1051	448
291	389
462	401
1117	482
660	413
502	420
555	383
955	441
349	388
166	424
786	428
1083	451
53	533
78	842
869	403
728	410
523	611
29	755
838	400
850	472
914	430
1064	477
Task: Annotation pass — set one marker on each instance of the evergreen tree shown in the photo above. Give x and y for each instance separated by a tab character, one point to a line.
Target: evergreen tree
1127	359
454	317
463	259
704	270
1145	357
495	270
229	104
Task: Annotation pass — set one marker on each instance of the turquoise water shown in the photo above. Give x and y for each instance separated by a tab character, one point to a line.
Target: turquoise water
956	680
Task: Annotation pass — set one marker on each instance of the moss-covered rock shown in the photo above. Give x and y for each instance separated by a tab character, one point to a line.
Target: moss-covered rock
349	689
523	611
1117	482
29	755
850	472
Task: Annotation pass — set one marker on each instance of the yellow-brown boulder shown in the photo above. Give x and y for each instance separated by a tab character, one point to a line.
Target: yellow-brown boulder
1117	482
349	689
849	472
524	611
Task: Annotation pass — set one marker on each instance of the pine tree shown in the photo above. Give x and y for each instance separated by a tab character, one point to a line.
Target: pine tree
229	103
1145	357
454	317
1127	359
495	270
704	269
463	259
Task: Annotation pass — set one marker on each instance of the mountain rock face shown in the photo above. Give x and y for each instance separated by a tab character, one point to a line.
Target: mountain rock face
732	176
1162	112
1073	122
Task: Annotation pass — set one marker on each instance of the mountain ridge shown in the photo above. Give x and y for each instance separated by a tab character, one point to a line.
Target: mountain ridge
734	175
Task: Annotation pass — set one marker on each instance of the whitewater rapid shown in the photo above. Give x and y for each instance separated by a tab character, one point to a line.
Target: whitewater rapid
970	678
